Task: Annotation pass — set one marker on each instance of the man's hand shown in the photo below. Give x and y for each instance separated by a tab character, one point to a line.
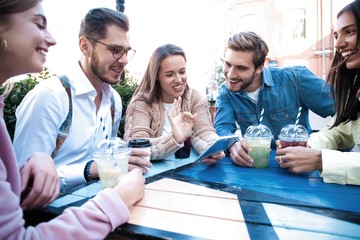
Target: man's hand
239	153
40	184
139	159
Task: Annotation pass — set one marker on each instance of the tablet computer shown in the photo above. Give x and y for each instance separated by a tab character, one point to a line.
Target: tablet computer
219	145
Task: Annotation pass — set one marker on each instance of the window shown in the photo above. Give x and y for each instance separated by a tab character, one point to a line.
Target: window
295	22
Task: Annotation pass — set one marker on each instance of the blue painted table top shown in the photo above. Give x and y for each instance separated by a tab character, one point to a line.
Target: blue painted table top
278	204
274	184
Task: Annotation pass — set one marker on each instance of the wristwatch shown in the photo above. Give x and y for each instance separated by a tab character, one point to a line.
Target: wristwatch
87	172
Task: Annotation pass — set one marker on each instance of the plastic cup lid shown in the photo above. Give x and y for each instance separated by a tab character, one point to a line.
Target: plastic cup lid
292	131
111	146
139	143
258	131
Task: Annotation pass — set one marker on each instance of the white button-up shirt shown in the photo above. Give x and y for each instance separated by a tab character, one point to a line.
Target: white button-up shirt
43	111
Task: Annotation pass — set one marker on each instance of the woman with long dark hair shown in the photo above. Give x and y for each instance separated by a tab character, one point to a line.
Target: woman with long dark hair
340	167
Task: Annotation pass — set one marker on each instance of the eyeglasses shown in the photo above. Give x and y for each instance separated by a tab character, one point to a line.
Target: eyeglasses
117	52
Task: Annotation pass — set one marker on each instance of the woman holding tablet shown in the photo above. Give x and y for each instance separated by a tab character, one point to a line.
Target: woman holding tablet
165	110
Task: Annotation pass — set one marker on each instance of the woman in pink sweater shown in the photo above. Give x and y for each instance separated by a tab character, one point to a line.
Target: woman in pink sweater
164	86
24	41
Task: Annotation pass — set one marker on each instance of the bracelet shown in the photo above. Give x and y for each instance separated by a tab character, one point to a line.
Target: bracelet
227	151
87	172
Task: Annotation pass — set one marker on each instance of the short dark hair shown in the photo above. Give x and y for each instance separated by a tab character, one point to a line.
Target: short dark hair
96	21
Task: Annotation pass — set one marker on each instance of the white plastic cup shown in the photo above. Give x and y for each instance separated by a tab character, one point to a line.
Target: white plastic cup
112	159
293	135
259	138
260	150
142	143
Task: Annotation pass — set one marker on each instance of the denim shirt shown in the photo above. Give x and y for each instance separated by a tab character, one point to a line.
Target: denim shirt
282	92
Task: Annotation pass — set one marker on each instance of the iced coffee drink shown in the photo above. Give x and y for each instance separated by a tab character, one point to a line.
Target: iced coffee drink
112	158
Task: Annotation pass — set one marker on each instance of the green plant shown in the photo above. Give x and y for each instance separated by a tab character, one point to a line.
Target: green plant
18	92
126	89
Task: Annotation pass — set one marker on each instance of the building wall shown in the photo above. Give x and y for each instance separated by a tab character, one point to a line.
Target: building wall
297	32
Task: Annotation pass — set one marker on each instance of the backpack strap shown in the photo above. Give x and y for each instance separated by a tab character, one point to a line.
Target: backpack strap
115	125
65	126
112	107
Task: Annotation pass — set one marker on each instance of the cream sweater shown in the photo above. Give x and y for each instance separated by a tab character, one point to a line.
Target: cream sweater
146	120
339	167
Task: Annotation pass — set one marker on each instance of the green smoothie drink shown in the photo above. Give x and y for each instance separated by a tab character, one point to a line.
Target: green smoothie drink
259	138
260	155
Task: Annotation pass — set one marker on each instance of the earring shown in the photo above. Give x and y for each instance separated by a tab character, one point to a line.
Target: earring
3	45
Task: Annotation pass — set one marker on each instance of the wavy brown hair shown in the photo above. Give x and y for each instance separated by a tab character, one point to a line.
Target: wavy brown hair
249	42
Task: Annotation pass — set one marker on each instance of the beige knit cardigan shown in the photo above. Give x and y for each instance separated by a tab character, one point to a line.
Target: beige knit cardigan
145	120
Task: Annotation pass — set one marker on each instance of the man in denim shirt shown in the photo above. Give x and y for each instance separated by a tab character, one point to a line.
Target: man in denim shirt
250	87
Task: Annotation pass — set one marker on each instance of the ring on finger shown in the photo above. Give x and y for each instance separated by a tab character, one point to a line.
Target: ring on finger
280	160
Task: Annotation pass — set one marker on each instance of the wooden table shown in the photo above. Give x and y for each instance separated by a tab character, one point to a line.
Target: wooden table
225	201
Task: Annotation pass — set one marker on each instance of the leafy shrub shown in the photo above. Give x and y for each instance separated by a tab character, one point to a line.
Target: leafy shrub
126	89
18	92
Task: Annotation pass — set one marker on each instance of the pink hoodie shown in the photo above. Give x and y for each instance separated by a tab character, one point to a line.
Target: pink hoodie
93	220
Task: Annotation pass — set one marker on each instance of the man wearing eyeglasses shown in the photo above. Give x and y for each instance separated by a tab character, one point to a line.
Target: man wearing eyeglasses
105	51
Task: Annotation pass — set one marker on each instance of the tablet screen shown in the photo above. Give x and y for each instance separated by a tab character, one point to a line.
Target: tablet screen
219	146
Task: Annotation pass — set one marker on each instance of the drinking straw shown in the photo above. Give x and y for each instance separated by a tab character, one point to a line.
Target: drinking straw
261	116
298	116
111	146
